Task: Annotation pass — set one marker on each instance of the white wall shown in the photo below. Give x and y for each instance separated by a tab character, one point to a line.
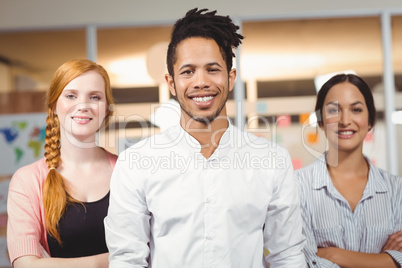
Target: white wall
26	14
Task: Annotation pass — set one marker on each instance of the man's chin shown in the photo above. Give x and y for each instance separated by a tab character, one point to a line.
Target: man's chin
204	120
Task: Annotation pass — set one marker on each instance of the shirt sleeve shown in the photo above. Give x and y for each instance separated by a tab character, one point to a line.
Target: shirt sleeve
24	225
283	236
310	249
396	188
127	224
396	255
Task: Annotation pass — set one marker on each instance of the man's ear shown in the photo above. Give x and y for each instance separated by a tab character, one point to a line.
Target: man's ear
232	79
170	82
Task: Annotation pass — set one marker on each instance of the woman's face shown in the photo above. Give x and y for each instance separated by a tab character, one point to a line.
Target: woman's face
82	107
345	118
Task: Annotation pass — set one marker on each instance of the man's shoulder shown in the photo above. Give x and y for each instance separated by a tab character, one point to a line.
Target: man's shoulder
259	143
156	142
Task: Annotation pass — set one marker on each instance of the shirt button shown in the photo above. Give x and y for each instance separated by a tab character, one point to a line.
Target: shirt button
209	236
314	262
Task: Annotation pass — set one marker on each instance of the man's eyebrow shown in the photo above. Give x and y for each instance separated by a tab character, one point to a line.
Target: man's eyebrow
186	66
189	65
214	63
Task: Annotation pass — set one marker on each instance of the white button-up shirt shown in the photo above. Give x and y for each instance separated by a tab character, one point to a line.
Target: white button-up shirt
171	207
329	221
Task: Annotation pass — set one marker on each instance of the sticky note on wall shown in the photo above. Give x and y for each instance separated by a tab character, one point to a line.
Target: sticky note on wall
369	137
312	138
303	118
297	163
284	120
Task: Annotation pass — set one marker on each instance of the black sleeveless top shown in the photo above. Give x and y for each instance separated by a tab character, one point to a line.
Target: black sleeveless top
81	230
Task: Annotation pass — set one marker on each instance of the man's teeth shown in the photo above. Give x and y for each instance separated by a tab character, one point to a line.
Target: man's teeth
203	99
346	132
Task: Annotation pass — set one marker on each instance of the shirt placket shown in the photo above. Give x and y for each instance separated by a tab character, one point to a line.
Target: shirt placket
209	200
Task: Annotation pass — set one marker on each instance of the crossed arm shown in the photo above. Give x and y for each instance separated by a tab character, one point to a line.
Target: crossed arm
346	258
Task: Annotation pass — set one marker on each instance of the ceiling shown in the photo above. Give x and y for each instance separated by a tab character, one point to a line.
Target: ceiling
294	50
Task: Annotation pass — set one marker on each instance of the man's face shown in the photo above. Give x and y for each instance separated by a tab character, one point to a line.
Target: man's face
201	81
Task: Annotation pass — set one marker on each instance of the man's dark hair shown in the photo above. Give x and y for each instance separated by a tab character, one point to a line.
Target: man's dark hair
208	25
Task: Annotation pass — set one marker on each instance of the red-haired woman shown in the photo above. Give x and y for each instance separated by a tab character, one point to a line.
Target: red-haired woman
56	205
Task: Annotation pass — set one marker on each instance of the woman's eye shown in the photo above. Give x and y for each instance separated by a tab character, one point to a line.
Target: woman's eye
95	98
357	110
70	96
332	110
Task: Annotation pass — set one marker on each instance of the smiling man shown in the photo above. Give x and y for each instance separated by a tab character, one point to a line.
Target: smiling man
235	198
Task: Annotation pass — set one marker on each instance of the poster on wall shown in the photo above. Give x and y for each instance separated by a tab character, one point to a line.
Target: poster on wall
22	137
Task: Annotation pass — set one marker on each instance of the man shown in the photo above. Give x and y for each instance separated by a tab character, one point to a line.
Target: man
203	193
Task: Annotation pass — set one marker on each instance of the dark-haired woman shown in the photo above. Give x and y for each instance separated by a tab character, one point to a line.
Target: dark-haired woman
352	210
56	205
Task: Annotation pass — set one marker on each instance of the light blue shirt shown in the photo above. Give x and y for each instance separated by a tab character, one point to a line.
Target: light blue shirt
171	207
330	222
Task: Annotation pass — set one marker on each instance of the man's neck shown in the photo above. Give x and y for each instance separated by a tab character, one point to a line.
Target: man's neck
208	135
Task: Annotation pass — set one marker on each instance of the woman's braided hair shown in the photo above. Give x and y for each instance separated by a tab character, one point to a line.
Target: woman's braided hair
55	197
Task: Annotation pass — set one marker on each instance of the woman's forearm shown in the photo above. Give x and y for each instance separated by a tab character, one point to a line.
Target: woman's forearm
96	261
353	259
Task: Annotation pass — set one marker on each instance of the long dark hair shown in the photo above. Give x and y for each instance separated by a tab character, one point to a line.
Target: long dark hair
353	79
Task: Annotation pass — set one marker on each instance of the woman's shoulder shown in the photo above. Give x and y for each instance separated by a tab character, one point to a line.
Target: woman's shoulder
32	174
318	166
384	175
112	158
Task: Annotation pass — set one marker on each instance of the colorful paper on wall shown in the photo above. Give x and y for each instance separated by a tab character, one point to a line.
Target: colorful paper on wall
297	163
262	107
312	138
284	120
22	138
304	118
277	138
369	137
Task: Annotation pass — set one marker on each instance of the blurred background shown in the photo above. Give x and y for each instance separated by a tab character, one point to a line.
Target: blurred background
289	47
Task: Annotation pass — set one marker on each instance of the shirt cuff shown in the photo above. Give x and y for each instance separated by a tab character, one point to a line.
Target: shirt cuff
396	256
321	263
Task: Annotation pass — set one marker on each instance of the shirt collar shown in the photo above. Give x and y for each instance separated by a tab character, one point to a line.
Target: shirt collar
190	144
322	179
375	182
320	174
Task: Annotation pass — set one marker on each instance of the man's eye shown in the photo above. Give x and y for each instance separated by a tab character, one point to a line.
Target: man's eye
187	72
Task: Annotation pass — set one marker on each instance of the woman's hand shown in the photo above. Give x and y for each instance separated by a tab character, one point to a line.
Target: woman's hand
394	242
